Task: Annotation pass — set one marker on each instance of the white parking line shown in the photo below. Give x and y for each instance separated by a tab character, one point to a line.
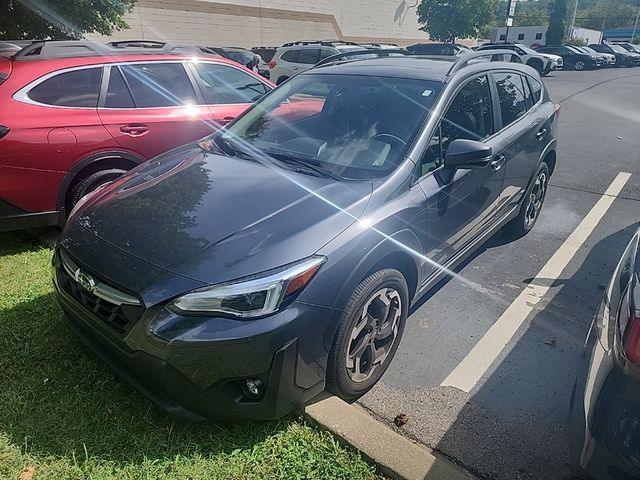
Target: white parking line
472	368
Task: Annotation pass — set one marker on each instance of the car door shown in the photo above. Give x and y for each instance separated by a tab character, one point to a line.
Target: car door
152	107
522	131
228	90
460	204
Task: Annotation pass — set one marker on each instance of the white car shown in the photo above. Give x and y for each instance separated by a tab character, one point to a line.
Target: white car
541	62
296	57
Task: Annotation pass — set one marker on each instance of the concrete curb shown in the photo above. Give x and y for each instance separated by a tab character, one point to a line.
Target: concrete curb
395	455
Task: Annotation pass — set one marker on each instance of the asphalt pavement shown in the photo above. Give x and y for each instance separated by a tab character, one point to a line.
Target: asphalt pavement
513	422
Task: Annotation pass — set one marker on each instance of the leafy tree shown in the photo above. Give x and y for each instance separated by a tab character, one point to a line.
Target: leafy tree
532	13
557	22
61	19
611	13
636	41
446	20
576	42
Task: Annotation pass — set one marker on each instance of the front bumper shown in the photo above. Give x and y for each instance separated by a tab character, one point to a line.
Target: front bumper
194	379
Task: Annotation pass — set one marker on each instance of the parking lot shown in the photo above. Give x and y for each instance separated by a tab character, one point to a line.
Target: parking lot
513	422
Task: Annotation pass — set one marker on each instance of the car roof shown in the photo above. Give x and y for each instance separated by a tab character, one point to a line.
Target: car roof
411	67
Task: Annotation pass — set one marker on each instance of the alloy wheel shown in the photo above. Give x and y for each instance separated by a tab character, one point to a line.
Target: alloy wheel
374	334
536	199
579	65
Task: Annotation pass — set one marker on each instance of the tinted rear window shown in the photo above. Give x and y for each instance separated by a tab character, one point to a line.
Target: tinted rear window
309	56
118	95
511	95
78	88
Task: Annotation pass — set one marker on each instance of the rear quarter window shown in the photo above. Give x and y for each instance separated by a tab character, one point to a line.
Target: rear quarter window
77	88
290	56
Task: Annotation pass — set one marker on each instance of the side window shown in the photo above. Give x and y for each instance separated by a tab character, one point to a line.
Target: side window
536	88
503	37
326	52
309	56
511	97
470	116
521	36
290	56
538	36
222	84
78	88
159	84
118	94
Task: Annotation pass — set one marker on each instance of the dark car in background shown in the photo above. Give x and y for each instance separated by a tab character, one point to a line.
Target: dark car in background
573	59
605	404
629	47
280	257
446	49
608	59
623	57
242	56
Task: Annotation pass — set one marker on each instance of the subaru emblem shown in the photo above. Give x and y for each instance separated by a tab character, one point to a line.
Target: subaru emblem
85	280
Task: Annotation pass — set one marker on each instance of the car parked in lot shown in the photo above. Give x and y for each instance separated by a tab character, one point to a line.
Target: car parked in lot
629	47
239	276
446	49
76	115
242	56
605	404
623	57
573	59
608	59
296	57
542	62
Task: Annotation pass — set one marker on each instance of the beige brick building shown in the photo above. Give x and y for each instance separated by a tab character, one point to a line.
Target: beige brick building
248	23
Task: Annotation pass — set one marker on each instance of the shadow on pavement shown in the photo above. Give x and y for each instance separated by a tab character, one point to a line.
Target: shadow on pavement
506	429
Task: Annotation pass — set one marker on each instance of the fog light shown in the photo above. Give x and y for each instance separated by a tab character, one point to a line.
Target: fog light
253	388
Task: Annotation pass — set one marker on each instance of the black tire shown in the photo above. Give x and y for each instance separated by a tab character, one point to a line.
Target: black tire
538	65
533	199
282	79
90	183
393	286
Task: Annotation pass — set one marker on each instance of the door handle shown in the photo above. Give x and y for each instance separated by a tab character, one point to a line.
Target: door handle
498	162
226	120
541	133
134	129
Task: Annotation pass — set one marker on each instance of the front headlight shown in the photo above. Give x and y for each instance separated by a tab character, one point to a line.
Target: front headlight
255	296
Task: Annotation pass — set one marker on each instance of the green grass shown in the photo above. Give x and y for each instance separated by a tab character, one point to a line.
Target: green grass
65	415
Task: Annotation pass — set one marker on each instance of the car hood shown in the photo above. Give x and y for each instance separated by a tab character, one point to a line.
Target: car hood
551	56
214	218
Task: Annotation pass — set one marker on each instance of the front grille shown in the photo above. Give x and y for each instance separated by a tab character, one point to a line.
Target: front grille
116	313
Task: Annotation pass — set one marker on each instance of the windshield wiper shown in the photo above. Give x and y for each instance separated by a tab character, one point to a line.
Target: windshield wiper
313	165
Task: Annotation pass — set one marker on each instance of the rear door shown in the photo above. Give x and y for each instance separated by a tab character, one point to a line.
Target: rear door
228	90
523	132
461	204
152	107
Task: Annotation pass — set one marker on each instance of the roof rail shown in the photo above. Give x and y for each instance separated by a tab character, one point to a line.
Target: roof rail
347	56
166	47
466	58
42	49
328	43
137	44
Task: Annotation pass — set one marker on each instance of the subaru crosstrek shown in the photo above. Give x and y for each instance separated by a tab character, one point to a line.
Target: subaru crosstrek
240	276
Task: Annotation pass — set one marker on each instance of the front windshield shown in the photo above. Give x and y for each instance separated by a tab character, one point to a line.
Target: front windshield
239	56
353	126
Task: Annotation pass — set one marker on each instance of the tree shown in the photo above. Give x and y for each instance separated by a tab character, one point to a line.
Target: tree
61	19
557	22
532	13
611	13
446	20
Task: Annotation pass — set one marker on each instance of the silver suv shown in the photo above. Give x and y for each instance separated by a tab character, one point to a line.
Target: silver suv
295	57
543	63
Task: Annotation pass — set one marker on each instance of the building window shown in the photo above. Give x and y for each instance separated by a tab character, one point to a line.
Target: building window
521	36
538	36
503	36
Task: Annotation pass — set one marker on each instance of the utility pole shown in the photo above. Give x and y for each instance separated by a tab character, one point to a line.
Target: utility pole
635	27
572	24
511	10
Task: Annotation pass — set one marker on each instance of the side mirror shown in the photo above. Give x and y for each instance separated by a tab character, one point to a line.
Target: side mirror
467	154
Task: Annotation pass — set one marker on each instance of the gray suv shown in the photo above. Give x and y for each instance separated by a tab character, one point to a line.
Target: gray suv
296	57
240	276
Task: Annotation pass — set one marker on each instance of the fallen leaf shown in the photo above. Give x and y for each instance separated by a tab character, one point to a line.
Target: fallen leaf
401	420
27	473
